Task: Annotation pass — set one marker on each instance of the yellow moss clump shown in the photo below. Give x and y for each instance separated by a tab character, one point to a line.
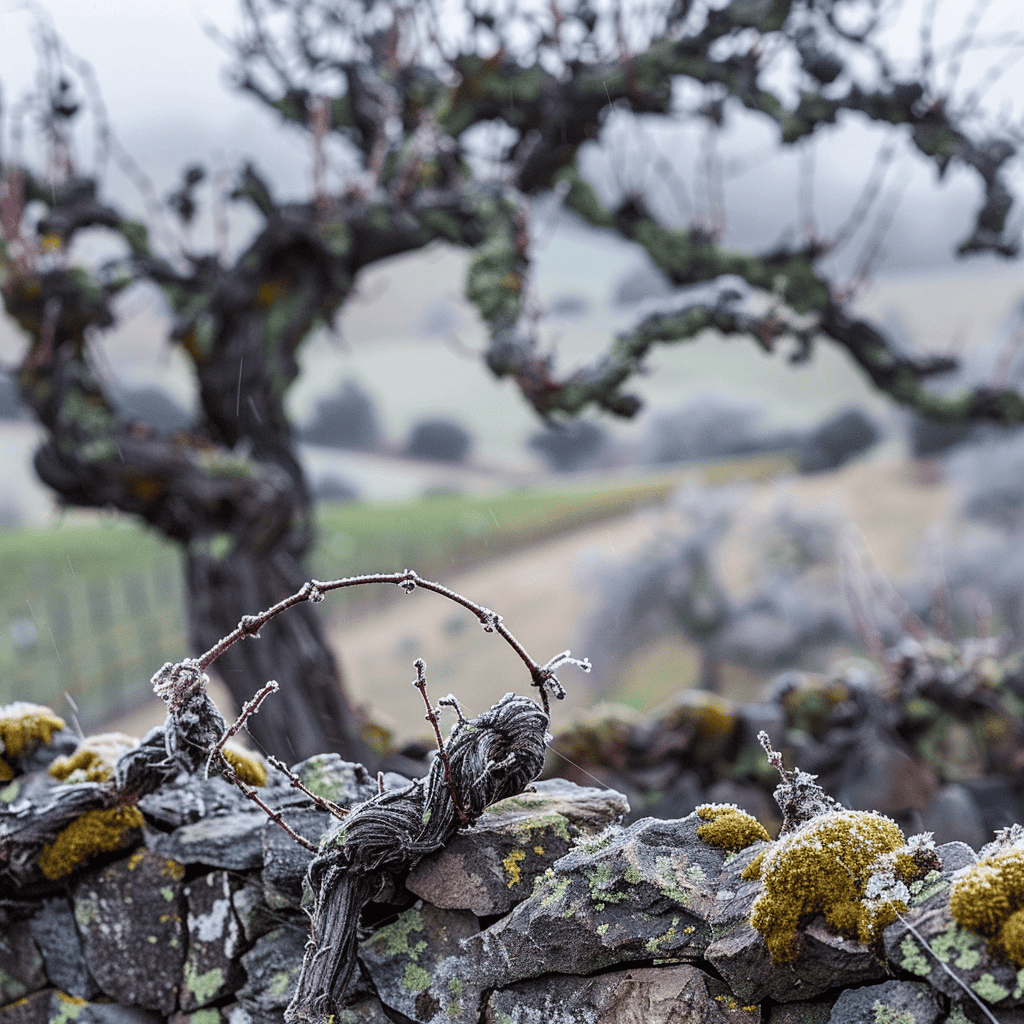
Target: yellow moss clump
248	767
94	759
823	867
24	726
81	766
987	899
96	831
729	827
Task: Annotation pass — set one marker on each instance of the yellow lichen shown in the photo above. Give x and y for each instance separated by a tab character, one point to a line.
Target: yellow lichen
823	867
24	726
248	767
96	831
84	765
6	771
987	898
729	827
94	759
512	868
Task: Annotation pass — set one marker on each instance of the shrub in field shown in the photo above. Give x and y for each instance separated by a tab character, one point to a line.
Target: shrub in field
347	418
569	446
440	439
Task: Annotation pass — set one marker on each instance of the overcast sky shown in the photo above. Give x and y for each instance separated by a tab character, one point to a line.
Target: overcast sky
164	83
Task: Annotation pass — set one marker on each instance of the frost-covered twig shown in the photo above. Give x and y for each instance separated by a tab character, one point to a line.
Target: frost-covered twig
542	676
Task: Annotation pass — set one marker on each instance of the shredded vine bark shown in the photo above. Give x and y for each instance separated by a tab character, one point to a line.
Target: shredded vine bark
491	757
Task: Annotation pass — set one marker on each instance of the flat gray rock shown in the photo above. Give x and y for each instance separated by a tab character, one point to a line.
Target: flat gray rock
215	941
401	959
640	893
908	1002
21	965
284	860
490	868
54	931
272	970
646	995
130	916
50	1006
231	841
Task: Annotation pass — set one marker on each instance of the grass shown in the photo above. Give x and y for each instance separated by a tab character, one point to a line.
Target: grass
92	605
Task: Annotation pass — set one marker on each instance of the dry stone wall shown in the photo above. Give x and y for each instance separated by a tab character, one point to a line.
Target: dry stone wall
547	910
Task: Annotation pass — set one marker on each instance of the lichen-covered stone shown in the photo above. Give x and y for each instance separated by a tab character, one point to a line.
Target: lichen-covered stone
811	1011
639	893
331	777
21	965
988	897
52	1006
401	959
490	868
364	1011
740	955
272	969
54	931
130	917
997	982
950	946
99	830
255	917
232	841
680	994
215	941
31	1009
894	1002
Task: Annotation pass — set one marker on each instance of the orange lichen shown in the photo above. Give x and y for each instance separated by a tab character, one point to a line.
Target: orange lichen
94	759
823	867
248	767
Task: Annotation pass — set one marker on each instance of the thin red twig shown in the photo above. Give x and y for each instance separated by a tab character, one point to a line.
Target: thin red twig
542	676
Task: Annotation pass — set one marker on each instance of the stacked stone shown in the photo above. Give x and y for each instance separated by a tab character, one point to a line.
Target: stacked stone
937	742
547	910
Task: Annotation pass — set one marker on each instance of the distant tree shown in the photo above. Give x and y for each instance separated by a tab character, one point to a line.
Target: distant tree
345	419
439	438
570	446
451	117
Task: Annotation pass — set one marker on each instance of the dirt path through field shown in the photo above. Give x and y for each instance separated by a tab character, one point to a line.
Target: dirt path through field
546	592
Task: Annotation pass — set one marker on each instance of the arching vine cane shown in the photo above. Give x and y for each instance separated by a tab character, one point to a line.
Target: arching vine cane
487	758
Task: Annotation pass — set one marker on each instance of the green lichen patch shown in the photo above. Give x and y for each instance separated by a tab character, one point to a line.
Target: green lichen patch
204	987
394	939
883	1014
557	891
989	989
415	978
